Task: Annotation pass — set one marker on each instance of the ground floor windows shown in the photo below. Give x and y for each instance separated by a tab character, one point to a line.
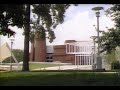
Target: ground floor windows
49	57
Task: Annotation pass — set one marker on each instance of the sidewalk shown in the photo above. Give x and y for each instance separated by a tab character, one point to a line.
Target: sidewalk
68	67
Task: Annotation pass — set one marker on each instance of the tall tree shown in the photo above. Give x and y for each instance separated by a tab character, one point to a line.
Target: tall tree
48	17
26	40
17	15
111	39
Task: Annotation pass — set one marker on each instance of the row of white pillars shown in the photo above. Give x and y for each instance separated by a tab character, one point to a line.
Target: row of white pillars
83	59
72	48
83	54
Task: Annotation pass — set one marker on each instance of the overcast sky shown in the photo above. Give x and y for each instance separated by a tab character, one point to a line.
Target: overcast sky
78	25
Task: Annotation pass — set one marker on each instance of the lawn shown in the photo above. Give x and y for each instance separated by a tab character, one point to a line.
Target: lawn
37	65
63	78
34	66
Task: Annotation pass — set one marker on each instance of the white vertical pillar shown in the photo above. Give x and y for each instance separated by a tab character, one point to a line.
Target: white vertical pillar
75	59
74	48
69	48
89	60
79	60
84	57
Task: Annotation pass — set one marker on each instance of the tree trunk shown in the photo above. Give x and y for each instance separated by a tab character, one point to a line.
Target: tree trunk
26	40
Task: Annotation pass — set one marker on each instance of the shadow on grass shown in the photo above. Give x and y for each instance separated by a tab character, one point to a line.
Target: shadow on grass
59	78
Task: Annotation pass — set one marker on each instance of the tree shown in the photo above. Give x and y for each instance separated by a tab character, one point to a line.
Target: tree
48	17
111	39
10	15
17	15
26	40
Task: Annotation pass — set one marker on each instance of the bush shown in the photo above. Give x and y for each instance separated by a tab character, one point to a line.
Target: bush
115	65
18	54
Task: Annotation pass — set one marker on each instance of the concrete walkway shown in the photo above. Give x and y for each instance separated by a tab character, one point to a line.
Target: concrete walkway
68	67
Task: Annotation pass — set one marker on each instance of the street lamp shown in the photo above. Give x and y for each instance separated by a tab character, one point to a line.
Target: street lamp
99	61
11	39
94	39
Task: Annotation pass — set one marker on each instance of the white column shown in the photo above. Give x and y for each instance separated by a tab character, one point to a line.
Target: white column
84	57
69	48
75	59
88	60
79	60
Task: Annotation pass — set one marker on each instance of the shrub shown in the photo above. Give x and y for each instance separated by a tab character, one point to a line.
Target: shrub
115	65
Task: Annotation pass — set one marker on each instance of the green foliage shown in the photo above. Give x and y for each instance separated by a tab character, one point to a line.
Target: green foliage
8	60
111	39
114	12
110	57
115	65
18	55
49	16
11	15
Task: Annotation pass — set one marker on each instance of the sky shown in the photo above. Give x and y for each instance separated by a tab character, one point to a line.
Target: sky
78	25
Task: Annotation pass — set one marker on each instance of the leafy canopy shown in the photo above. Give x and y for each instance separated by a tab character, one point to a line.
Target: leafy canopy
111	39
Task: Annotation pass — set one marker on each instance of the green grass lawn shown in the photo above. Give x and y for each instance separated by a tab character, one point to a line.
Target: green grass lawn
63	78
37	65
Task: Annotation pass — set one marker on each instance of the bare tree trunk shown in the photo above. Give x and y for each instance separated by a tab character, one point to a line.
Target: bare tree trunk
26	40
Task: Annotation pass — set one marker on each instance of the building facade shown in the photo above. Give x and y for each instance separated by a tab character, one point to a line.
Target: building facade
74	52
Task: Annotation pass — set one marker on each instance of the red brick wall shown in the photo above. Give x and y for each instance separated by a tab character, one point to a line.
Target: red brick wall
59	54
40	49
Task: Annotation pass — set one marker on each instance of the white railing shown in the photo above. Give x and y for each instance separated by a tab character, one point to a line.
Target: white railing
83	52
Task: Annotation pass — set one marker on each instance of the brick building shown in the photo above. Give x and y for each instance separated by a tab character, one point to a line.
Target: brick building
38	49
60	54
75	52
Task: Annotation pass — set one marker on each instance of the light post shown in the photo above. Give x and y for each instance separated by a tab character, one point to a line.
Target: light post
11	39
98	61
94	59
